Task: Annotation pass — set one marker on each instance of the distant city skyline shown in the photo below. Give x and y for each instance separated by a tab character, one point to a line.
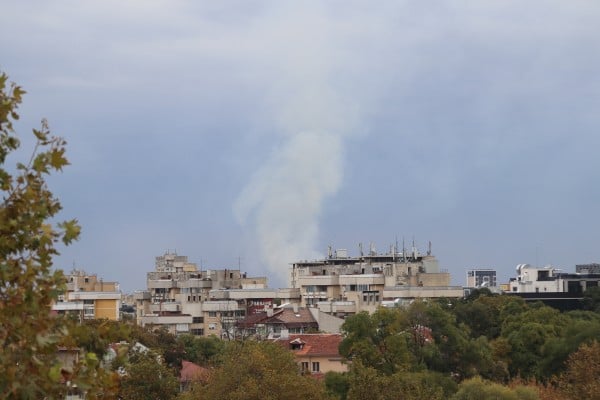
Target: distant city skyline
260	133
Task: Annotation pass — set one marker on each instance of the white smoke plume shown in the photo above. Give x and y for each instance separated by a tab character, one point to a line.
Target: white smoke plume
284	199
287	196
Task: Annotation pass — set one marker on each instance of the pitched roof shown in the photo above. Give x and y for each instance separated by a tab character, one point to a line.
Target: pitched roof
314	344
291	318
285	316
192	372
252	319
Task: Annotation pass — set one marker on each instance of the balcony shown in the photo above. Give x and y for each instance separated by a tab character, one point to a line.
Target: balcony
332	307
220	305
195	283
318	280
169	307
165	319
362	279
161	284
422	292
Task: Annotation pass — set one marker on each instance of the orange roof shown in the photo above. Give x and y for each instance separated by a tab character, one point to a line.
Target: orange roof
314	344
192	372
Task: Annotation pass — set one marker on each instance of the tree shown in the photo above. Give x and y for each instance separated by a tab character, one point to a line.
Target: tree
256	371
28	236
201	350
337	384
479	389
580	380
147	377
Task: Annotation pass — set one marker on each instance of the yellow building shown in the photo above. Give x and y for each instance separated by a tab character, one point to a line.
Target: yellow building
89	297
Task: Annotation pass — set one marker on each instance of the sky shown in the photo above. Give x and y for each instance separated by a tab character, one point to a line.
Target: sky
253	134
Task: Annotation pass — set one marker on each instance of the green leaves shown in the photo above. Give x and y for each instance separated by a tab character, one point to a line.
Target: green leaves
71	230
28	286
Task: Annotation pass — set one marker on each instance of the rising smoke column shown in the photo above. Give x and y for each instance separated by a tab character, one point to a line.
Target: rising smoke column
286	197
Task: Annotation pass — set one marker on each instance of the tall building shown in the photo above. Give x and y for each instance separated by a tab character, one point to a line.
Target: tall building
481	277
89	297
342	285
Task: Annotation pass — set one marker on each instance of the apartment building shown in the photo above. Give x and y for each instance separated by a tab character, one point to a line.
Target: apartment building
342	285
185	299
89	297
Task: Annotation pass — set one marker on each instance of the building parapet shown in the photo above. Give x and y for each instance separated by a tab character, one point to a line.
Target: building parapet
142	295
240	294
332	307
304	280
161	283
364	279
67	306
168	307
195	283
220	305
391	293
93	296
151	319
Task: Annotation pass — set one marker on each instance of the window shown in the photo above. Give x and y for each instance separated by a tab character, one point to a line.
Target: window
88	302
197	332
197	320
315	366
304	366
212	314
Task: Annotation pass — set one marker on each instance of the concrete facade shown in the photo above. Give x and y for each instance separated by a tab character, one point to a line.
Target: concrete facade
184	299
550	280
341	285
89	297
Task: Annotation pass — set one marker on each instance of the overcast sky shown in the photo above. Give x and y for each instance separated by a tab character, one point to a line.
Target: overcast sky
257	133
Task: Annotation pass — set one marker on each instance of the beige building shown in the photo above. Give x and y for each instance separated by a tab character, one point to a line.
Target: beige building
89	297
185	299
341	285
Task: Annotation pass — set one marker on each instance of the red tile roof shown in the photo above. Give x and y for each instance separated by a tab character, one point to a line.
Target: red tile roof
314	344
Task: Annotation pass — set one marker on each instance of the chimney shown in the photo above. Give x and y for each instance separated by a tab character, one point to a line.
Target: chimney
269	311
295	308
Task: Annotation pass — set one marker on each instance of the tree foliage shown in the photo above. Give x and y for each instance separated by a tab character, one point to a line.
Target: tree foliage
580	380
148	378
257	371
479	389
28	239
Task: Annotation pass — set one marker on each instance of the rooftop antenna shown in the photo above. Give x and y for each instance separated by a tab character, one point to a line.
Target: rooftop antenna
360	249
403	250
429	249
